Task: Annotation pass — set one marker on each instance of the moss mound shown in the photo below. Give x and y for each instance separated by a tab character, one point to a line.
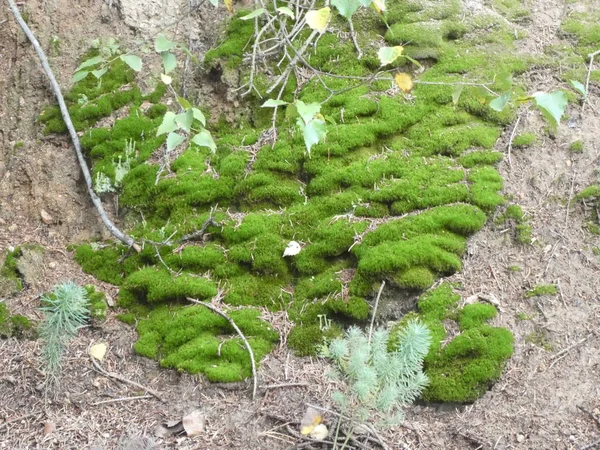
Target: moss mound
463	369
393	193
15	325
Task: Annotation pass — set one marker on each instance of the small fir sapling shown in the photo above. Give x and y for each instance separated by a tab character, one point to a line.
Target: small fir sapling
66	310
377	378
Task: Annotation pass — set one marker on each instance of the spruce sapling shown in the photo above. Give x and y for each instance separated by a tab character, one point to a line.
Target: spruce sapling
65	310
379	379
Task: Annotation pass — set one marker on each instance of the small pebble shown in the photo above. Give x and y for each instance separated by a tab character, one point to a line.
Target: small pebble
520	438
52	265
14	227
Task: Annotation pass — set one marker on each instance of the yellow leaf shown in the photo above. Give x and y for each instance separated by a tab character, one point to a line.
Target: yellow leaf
98	351
319	432
379	5
229	5
404	82
318	19
309	422
166	78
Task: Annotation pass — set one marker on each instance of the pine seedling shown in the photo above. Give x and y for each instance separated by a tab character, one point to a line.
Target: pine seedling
65	310
378	379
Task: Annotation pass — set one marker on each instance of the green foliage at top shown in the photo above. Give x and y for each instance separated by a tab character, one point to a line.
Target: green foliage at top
378	379
65	311
392	192
463	369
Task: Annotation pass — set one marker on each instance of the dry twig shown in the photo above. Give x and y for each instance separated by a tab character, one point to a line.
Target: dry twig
239	332
125	380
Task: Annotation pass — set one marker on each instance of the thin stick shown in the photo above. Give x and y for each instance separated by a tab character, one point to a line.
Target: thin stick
375	310
125	380
560	355
569	201
239	332
282	385
511	139
587	80
353	36
128	240
16	419
591	414
122	399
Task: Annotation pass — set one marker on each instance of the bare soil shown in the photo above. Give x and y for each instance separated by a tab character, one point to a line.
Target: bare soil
547	398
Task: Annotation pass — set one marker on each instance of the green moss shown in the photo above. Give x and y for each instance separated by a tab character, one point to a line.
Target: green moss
16	326
306	339
576	146
231	49
392	193
10	278
540	339
514	268
465	368
524	140
542	289
196	340
96	303
158	286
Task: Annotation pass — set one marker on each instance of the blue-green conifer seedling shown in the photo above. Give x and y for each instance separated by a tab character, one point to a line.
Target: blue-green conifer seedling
66	310
378	379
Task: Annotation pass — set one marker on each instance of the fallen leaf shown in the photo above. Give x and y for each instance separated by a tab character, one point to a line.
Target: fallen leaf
194	423
292	249
404	82
98	351
317	20
320	432
49	428
309	422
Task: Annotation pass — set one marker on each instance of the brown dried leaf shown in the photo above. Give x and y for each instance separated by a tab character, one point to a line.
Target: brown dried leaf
194	423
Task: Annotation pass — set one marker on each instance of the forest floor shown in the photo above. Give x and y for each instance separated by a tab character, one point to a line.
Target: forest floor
547	398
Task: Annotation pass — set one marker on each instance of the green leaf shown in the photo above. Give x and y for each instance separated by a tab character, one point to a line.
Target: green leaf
169	61
253	14
578	87
366	3
286	11
199	116
184	103
162	44
78	76
314	131
346	7
173	140
214	2
499	103
273	103
552	105
504	81
90	62
185	120
133	61
98	73
168	124
388	55
307	111
456	92
204	139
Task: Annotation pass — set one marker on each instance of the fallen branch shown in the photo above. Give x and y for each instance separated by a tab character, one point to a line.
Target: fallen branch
239	332
128	240
125	380
122	399
591	56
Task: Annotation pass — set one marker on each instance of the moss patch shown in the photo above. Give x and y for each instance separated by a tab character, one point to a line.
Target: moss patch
463	369
16	325
393	192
